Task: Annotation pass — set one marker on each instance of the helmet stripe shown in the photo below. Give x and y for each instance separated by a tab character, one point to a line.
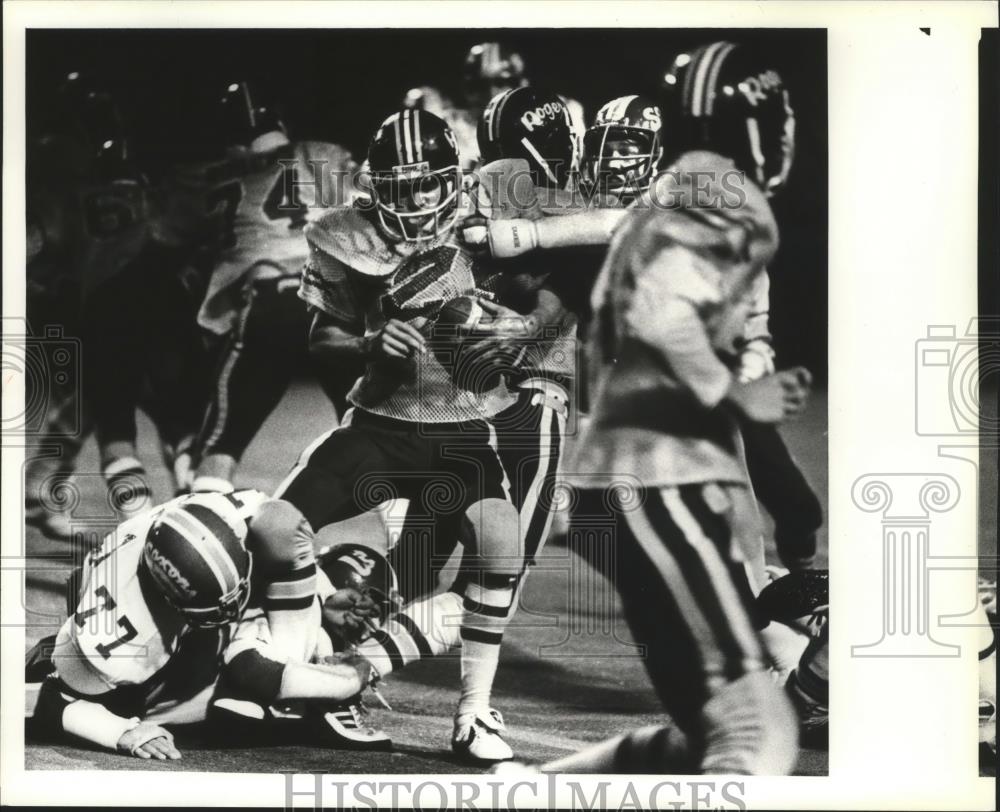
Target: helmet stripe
408	136
713	77
246	95
180	526
701	70
417	145
398	137
498	115
216	533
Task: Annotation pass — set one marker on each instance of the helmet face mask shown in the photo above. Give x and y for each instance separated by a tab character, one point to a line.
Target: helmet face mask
414	176
622	149
228	609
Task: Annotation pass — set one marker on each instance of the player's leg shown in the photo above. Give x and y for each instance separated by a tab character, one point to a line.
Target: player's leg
114	338
673	560
261	353
488	597
425	628
784	491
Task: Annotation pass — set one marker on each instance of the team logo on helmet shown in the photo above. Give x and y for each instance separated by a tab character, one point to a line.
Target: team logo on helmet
533	125
724	98
623	147
194	552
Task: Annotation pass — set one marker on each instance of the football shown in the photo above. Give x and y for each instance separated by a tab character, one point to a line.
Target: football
455	340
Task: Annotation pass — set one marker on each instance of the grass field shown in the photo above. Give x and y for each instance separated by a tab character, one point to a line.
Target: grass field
568	675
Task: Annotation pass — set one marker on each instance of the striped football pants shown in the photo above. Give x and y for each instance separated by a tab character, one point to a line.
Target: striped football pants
674	556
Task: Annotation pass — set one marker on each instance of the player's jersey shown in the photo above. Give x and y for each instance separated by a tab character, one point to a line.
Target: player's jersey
124	646
672	297
361	279
281	192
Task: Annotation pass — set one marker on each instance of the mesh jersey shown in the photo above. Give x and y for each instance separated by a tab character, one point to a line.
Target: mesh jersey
125	647
361	280
281	192
673	296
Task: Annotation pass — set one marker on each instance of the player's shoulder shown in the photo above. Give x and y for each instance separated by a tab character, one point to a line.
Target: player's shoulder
351	236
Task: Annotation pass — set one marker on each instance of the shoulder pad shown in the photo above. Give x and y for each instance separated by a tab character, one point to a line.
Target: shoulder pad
349	236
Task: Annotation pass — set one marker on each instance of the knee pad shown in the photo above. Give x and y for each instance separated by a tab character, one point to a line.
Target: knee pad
749	728
496	528
280	538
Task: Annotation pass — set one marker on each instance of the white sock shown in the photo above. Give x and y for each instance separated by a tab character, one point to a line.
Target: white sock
486	610
423	629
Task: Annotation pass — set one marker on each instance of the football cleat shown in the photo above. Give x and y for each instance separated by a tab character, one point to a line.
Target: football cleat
477	737
413	169
728	99
814	716
347	726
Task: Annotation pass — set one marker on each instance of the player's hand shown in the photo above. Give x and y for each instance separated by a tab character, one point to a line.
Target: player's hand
473	232
353	661
147	740
774	397
504	322
351	614
396	340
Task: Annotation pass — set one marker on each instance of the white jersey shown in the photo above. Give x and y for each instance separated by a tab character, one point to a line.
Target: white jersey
124	646
281	193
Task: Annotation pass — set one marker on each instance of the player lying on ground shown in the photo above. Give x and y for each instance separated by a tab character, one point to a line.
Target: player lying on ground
158	604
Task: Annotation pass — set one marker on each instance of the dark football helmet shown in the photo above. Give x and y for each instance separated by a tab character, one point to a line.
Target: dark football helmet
622	148
246	124
92	118
491	68
531	124
196	556
362	568
725	98
413	168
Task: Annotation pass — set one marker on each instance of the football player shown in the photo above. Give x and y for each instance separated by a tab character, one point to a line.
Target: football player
660	458
251	302
717	96
154	607
622	149
377	277
89	210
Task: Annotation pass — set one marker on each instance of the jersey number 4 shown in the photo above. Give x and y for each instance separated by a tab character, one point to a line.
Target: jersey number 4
107	602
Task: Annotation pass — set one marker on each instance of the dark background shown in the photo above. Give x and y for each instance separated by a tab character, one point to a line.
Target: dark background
338	85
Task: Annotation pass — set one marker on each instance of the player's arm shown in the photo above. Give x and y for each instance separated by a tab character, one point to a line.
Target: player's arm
333	345
256	672
665	313
511	238
756	348
78	700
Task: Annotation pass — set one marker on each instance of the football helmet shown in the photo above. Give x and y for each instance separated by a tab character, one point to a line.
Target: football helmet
196	556
246	124
725	98
531	124
95	121
622	147
491	68
413	168
360	567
